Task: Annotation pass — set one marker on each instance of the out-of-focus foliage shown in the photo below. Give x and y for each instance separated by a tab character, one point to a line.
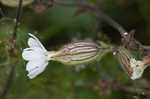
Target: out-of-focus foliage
14	3
55	27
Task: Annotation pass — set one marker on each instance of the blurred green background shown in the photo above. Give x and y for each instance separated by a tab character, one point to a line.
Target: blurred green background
55	27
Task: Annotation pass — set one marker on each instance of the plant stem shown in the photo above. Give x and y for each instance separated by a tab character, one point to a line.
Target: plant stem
11	75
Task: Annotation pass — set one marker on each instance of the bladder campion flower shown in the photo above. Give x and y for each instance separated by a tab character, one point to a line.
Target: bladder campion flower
133	67
70	54
36	55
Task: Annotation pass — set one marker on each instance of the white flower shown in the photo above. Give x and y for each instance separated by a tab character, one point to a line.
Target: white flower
138	68
37	57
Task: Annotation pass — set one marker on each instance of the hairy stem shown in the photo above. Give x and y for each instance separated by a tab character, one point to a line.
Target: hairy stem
18	12
8	83
99	14
11	75
131	44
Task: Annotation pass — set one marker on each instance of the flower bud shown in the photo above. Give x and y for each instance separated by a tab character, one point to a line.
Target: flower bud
77	53
124	58
133	67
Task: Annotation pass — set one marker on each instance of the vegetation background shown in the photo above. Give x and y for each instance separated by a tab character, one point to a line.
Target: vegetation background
59	25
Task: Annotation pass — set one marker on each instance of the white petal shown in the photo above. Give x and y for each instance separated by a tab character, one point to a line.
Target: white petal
34	68
31	65
33	54
34	42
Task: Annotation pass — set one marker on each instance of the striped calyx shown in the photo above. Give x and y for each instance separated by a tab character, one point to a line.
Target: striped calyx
77	53
133	67
124	58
